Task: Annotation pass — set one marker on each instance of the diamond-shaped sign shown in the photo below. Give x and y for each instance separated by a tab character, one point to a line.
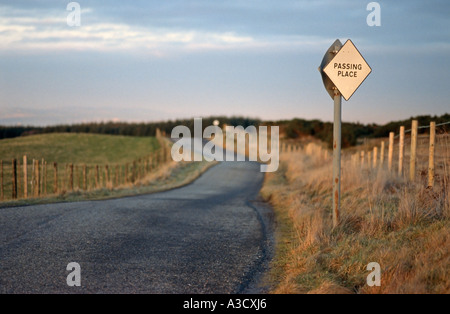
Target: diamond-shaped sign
347	70
329	55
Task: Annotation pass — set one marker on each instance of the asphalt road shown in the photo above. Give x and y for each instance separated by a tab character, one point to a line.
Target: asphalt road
212	236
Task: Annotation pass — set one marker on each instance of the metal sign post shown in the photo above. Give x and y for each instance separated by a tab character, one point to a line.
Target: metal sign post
343	70
337	156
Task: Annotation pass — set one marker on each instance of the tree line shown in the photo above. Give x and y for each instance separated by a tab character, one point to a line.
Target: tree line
351	132
291	129
122	128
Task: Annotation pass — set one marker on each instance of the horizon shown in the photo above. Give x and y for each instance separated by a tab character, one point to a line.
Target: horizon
153	61
214	117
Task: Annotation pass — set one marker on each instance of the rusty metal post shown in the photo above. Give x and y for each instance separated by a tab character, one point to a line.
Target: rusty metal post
337	157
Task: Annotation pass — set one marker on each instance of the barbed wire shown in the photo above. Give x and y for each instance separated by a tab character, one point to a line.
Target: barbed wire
423	127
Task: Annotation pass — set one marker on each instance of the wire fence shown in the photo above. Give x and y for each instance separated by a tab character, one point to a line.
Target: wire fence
423	127
425	156
23	178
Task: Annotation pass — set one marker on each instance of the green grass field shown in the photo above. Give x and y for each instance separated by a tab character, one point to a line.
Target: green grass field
77	148
91	150
94	151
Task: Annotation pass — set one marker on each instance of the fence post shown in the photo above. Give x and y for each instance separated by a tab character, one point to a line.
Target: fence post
391	150
117	175
55	179
431	155
71	177
45	178
362	158
382	154
37	178
401	150
1	179
106	176
134	172
84	177
41	178
76	178
412	161
14	179
25	177
97	177
375	156
18	176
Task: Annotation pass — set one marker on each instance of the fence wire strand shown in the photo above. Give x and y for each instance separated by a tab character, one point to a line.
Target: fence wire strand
424	127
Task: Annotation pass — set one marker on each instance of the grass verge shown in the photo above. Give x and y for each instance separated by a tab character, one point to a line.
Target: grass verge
384	218
168	176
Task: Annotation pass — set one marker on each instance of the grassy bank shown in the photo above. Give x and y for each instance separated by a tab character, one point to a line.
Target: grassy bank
403	226
92	150
169	176
78	148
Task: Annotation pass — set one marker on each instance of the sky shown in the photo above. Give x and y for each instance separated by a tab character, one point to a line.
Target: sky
142	61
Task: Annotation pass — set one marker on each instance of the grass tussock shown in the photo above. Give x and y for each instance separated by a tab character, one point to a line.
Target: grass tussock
403	226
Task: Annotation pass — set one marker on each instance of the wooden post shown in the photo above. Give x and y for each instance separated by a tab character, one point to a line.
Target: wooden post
97	177
55	178
401	150
391	150
66	177
89	178
1	180
431	154
106	175
139	168
14	179
41	178
412	161
145	166
33	173
25	177
84	177
117	175
71	177
369	159
18	178
76	178
133	179
382	154
45	178
37	182
375	156
362	159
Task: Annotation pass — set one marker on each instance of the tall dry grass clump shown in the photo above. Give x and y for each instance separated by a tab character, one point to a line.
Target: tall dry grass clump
385	218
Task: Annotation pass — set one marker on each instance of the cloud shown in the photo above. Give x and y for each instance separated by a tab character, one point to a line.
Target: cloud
28	31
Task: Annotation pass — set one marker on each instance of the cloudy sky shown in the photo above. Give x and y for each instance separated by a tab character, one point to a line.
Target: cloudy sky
167	59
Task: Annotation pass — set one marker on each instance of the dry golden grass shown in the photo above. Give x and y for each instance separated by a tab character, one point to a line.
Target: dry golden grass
403	226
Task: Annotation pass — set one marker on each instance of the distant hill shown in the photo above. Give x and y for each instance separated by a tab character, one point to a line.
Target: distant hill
290	129
121	128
